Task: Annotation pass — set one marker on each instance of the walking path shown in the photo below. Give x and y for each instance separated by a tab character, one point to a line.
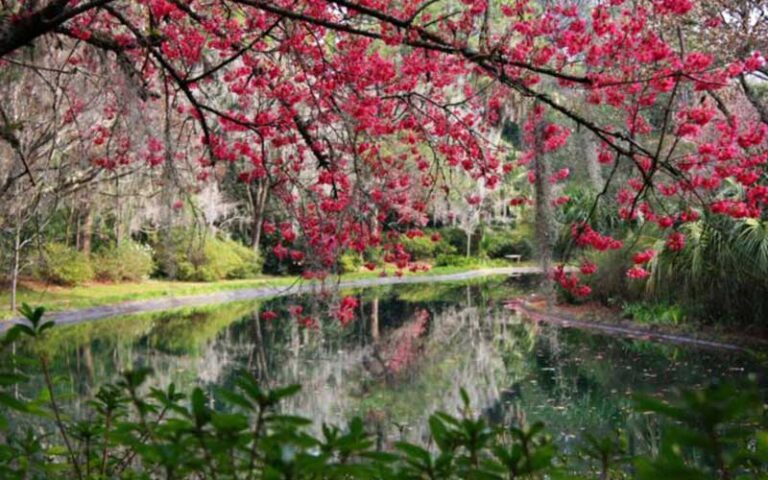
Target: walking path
166	303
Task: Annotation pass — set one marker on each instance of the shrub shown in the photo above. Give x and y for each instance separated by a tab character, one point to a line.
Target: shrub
454	261
609	283
129	261
424	248
720	274
374	255
654	313
498	243
207	260
221	259
64	265
455	237
249	264
350	262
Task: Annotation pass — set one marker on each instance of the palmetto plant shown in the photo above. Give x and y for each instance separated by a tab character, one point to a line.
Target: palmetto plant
722	273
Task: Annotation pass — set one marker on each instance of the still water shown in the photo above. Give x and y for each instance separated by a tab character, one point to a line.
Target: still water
407	353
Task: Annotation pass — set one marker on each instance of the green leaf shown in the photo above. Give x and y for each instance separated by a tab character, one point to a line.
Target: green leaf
229	422
440	433
10	402
291	420
199	408
8	379
235	399
414	452
464	397
281	393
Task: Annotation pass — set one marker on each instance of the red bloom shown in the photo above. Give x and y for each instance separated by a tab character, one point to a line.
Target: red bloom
676	241
644	257
346	311
308	322
280	251
268	228
666	222
269	315
637	273
582	291
288	234
588	268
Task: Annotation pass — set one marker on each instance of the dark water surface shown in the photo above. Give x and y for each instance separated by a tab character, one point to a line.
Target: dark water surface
407	353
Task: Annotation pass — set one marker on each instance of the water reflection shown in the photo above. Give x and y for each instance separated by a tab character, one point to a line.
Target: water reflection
407	354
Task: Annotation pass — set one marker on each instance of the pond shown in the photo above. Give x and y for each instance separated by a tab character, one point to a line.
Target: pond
407	353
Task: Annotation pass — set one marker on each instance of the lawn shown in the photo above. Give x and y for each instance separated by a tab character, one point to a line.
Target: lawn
56	298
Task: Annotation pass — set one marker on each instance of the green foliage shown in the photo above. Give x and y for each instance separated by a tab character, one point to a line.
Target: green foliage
424	248
512	133
604	218
454	261
655	313
64	265
455	237
722	425
207	259
497	243
249	263
133	430
609	283
130	261
720	274
350	262
188	332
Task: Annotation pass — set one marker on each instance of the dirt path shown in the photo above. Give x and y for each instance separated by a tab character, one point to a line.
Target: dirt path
166	303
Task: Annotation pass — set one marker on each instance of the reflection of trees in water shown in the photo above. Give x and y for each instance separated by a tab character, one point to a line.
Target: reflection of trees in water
583	382
395	364
180	346
398	371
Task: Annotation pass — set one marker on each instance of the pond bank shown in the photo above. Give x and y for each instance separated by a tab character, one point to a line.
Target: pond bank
631	331
281	287
612	324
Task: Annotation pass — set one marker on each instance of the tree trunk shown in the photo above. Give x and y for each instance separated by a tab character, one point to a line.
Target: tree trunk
258	197
593	165
118	213
256	231
167	200
469	244
86	229
15	267
545	230
78	237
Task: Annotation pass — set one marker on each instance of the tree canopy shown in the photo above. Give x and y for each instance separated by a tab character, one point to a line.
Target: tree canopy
355	114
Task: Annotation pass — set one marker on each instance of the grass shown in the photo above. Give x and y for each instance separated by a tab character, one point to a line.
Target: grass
57	299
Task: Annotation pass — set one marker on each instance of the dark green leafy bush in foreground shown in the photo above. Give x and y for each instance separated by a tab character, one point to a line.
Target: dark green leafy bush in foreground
136	432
